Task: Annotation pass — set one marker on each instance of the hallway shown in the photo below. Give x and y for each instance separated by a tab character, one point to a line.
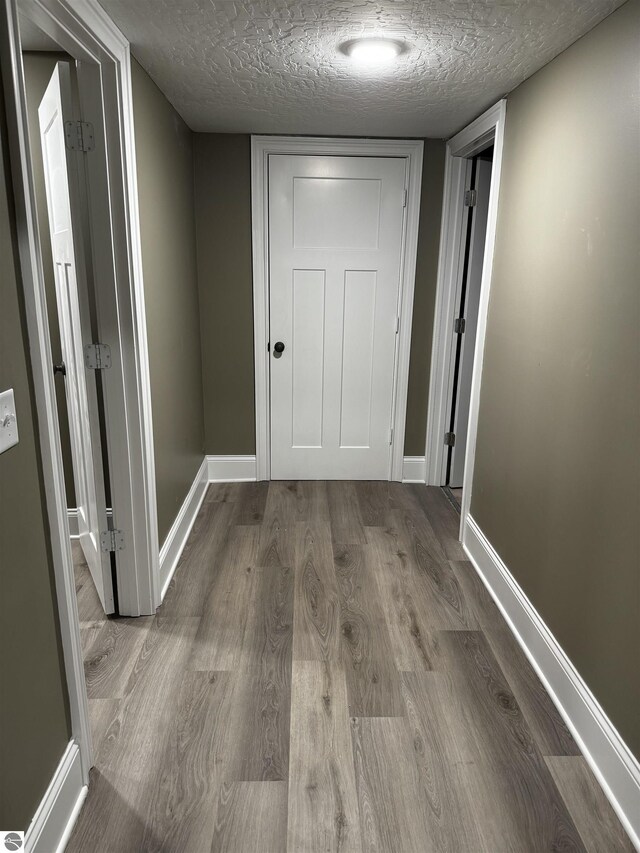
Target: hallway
327	672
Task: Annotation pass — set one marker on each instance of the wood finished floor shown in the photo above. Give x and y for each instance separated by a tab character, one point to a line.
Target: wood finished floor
326	673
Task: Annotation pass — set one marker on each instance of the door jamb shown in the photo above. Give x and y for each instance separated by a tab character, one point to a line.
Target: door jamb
487	129
262	147
83	29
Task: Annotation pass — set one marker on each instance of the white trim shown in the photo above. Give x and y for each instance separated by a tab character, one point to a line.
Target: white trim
489	125
488	128
450	261
72	518
612	762
214	469
173	545
145	596
414	469
261	148
58	811
232	469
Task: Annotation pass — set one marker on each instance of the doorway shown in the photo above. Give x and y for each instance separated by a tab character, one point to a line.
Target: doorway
100	160
334	244
469	216
101	55
465	324
70	273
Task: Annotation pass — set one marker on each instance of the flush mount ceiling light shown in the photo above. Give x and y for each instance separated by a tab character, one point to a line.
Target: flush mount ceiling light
373	51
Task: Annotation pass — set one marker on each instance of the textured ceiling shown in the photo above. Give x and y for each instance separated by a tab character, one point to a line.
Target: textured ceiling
273	66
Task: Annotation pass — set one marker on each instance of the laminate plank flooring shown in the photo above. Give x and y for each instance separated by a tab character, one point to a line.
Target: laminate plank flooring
112	655
594	816
323	805
549	729
327	673
316	634
373	684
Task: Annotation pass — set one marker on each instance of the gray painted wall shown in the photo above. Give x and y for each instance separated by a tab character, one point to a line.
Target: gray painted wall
164	156
557	485
38	68
223	227
223	223
34	719
424	300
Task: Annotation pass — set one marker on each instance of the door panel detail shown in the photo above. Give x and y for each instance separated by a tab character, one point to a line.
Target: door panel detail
315	224
307	355
357	357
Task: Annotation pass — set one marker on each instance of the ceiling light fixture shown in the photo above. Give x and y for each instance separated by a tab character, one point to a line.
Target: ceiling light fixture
374	51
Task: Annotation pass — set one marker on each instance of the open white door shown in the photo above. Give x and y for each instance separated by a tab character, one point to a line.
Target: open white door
63	202
468	311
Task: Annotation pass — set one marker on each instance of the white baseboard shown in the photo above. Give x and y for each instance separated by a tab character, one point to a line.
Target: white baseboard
414	469
181	528
58	811
72	516
232	469
615	767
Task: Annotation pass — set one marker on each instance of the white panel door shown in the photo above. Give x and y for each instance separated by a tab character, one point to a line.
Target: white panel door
335	247
61	181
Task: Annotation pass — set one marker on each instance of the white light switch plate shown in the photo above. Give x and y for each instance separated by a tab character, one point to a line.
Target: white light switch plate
8	422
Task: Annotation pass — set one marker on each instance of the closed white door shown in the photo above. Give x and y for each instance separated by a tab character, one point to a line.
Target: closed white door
335	247
61	180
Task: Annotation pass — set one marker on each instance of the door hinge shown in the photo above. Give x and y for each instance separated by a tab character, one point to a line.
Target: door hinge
97	356
459	325
405	195
391	436
449	439
470	198
397	325
79	135
112	540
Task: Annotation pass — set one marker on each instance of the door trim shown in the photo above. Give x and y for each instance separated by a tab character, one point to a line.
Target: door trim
83	29
487	129
262	147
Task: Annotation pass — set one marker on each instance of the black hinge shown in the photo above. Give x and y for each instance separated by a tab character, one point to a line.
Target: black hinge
459	325
470	198
79	135
97	356
449	439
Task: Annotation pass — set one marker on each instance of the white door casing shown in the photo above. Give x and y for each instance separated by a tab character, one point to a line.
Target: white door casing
64	208
335	250
470	314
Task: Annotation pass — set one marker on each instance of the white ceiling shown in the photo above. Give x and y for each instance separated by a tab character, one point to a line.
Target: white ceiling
273	66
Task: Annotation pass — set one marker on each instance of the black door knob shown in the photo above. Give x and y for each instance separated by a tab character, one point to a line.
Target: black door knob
278	347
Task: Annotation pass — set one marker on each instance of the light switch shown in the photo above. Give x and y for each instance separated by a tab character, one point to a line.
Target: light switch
8	421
